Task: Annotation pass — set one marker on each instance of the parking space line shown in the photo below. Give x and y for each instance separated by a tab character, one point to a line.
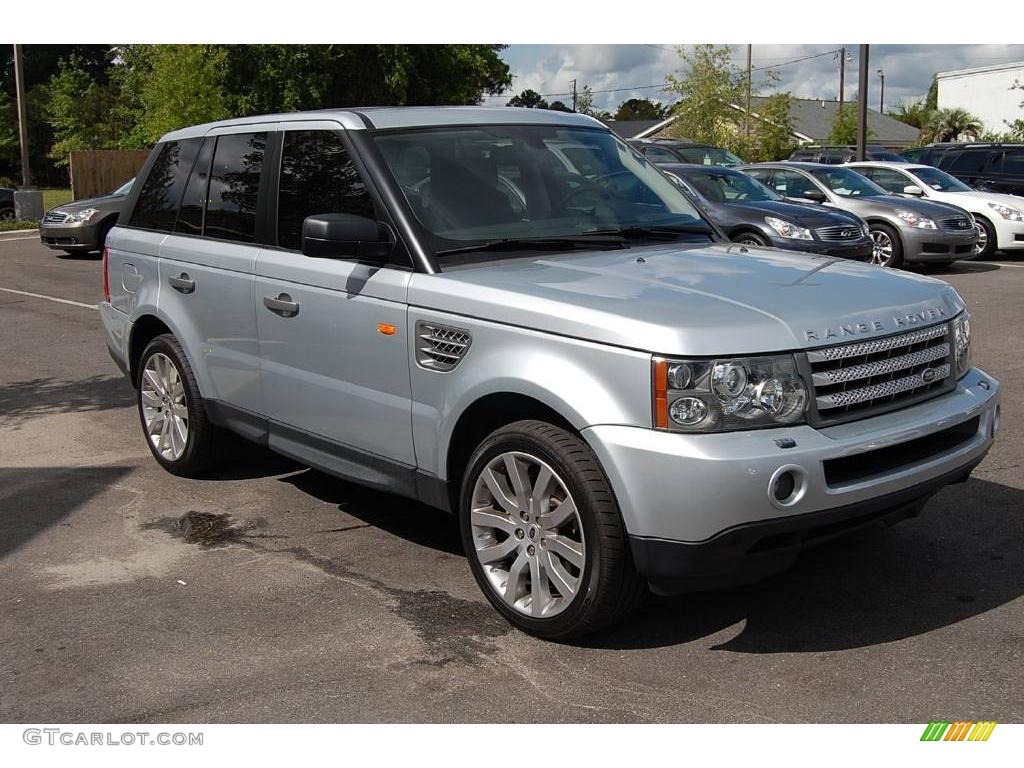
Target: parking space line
51	298
12	239
998	264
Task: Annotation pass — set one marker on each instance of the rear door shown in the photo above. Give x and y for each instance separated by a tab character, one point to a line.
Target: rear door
207	264
1007	174
335	371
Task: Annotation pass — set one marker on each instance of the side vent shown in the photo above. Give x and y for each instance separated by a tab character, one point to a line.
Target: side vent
440	347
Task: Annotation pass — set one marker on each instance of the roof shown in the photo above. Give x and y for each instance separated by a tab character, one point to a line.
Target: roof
954	73
360	118
631	129
813	118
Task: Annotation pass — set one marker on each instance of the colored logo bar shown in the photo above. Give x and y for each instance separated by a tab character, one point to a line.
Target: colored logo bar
961	730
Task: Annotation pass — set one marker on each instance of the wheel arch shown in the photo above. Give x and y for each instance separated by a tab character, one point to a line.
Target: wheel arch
146	326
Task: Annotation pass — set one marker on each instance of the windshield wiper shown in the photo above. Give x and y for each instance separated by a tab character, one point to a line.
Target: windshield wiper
587	240
661	233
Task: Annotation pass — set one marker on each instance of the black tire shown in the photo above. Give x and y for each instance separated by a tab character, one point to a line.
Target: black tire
101	239
205	442
896	260
7	214
751	238
609	586
990	235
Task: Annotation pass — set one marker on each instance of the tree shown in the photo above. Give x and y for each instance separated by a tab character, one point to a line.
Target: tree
528	98
8	132
585	101
559	106
771	135
931	100
915	113
707	86
78	110
953	124
640	109
844	125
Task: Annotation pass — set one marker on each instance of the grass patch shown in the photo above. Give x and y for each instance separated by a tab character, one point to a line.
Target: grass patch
11	226
54	197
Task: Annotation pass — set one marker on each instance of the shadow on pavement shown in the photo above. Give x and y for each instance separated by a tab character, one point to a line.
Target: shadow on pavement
956	268
22	400
33	499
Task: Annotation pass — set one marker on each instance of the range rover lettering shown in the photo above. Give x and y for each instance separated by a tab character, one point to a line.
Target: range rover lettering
512	315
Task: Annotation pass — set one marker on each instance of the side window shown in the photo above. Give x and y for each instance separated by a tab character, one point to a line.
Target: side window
764	176
234	187
889	180
157	206
969	161
1013	162
791	184
193	201
658	155
317	176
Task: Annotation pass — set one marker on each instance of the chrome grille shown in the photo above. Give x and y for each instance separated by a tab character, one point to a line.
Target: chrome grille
861	379
956	224
440	347
840	233
54	217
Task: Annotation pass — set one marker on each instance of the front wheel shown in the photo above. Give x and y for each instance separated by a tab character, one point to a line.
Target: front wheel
986	244
750	238
543	534
887	248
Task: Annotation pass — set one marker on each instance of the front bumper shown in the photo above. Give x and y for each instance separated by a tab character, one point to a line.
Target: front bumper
71	237
1009	234
699	506
858	250
920	245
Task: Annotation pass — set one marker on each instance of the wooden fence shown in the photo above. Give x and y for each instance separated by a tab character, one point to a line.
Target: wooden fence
97	172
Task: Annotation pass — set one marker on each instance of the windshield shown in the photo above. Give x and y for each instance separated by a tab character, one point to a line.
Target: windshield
847	183
722	186
124	189
477	184
940	181
709	156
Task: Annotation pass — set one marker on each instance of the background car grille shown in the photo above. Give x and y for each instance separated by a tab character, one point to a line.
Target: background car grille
54	217
840	233
440	347
858	380
956	224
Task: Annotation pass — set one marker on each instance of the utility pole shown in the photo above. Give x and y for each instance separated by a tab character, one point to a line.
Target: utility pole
881	95
19	88
862	105
750	74
574	94
842	77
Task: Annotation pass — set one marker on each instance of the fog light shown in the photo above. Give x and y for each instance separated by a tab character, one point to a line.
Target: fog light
785	484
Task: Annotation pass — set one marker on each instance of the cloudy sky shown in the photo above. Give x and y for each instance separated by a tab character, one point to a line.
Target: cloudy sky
548	69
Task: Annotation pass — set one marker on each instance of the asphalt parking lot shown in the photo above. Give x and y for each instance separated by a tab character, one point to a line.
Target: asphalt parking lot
271	592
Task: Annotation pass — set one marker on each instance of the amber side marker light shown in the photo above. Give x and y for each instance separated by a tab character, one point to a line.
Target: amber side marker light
661	394
387	330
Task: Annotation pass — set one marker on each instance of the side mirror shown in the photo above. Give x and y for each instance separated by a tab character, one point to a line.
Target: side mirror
345	236
913	189
814	195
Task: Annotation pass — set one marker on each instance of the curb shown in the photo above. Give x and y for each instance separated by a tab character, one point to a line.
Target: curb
18	231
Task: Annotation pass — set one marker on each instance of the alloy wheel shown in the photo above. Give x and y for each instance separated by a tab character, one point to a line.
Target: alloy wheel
527	534
979	247
164	409
882	250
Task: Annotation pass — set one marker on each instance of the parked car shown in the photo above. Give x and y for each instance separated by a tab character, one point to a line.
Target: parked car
998	218
928	155
6	204
749	212
428	302
660	151
986	167
82	226
903	231
839	154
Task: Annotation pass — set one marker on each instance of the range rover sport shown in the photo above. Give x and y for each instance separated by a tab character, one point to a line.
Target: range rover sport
514	316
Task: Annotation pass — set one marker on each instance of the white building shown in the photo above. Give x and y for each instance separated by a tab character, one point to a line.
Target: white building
986	92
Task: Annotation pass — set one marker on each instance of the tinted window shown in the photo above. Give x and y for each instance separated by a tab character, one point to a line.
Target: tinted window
1013	162
722	186
317	176
234	187
659	155
157	206
190	218
792	184
968	161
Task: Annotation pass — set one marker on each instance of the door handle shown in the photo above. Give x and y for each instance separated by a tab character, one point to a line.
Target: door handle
282	305
183	283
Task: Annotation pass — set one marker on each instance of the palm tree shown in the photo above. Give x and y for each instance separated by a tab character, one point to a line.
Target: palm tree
952	124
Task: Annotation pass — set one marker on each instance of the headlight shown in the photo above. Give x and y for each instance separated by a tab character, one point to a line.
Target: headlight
915	219
787	230
1007	212
962	343
84	216
727	394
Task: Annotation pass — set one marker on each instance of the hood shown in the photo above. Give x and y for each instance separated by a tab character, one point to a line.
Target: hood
693	300
1013	201
103	202
807	216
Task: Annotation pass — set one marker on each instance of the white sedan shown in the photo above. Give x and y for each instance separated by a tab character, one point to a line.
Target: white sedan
999	218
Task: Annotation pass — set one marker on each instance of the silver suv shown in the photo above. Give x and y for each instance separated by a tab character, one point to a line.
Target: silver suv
514	316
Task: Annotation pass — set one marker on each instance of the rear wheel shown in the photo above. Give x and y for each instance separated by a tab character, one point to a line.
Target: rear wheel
6	214
986	244
543	533
887	248
750	238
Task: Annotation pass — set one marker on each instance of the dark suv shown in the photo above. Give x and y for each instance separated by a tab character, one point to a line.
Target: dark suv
986	167
6	204
663	151
837	155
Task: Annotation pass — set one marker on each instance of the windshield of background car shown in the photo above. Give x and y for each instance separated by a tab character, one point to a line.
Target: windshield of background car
940	180
847	183
475	184
709	156
721	186
124	189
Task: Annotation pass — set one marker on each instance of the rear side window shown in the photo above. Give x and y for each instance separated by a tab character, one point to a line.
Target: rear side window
190	218
157	206
317	176
658	155
889	180
1013	162
968	161
234	187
